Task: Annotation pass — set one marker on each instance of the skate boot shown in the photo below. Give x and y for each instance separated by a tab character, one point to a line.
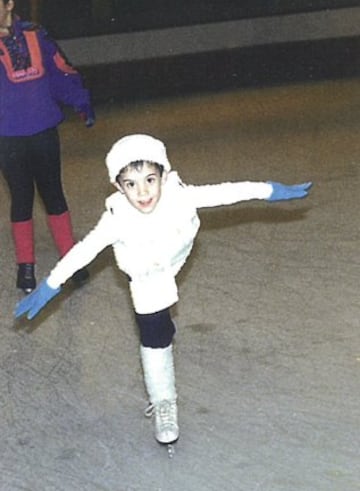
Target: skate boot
166	425
80	277
23	236
159	376
25	280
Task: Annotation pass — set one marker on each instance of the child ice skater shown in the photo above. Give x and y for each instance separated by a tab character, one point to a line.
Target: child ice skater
151	222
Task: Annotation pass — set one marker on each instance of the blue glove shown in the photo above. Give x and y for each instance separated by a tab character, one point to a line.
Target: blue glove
283	192
87	114
33	303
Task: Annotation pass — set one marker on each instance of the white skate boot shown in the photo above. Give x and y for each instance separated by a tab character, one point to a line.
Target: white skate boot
159	376
166	424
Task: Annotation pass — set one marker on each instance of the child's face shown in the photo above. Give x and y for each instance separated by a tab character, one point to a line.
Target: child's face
142	187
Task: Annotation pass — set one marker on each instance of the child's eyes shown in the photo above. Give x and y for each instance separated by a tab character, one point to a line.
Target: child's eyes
132	184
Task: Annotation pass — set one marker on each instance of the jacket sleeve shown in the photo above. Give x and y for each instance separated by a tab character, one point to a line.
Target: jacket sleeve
65	81
228	193
82	253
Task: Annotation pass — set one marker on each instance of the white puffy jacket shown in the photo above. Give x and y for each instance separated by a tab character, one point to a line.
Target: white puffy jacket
152	248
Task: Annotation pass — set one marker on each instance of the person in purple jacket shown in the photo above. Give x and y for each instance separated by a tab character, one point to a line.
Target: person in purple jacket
35	81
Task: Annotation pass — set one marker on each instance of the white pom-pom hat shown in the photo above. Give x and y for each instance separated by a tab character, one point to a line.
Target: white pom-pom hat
132	148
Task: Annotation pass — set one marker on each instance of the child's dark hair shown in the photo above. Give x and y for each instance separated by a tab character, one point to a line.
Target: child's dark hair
138	165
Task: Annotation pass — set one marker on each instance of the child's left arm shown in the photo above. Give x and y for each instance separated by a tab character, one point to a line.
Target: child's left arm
228	193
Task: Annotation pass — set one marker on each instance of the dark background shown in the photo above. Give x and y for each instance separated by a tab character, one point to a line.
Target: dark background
76	18
252	66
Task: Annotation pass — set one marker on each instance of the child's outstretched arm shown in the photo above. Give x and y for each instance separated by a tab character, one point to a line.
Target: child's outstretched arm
228	193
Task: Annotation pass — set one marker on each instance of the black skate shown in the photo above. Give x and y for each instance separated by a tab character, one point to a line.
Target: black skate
80	277
25	280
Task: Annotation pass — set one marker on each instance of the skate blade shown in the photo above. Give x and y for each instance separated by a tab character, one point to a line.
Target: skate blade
171	450
170	447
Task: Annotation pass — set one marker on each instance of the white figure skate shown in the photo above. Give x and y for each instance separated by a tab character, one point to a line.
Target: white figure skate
159	376
166	425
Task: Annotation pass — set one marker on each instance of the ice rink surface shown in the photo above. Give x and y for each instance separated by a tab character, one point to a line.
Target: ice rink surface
267	350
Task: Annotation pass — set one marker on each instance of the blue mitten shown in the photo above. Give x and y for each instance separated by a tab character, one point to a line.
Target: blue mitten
284	192
33	303
87	114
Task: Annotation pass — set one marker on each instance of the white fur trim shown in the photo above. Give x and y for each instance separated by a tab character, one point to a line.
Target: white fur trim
132	148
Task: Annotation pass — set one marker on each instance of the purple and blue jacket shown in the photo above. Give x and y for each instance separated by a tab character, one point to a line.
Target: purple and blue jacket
35	82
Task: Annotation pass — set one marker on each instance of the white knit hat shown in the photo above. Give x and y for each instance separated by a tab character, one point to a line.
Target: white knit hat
132	148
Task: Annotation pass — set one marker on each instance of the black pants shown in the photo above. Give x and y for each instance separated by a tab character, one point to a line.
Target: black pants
27	161
156	330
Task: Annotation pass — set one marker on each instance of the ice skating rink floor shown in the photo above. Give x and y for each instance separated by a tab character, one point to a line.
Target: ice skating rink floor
268	344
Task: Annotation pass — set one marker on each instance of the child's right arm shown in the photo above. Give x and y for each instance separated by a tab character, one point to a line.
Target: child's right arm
84	252
79	256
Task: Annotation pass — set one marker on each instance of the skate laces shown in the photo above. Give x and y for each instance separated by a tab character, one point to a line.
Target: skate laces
165	412
166	426
149	411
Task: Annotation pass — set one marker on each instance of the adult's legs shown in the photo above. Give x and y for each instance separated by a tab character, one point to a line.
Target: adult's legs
46	163
47	175
36	159
17	172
